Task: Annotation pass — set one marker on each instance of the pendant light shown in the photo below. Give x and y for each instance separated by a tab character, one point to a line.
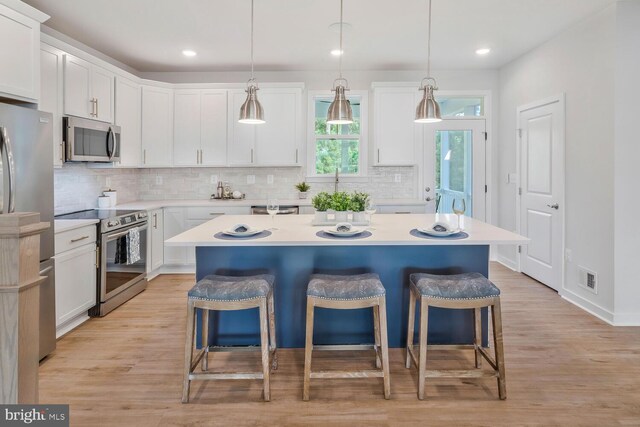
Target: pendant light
340	109
428	110
251	111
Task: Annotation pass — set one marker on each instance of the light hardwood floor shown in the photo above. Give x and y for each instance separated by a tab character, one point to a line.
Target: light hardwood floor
564	367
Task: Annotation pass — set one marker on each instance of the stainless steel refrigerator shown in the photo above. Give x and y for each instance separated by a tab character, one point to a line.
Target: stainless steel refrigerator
26	185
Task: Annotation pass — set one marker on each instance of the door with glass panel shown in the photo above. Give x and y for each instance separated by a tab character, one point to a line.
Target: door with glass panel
455	166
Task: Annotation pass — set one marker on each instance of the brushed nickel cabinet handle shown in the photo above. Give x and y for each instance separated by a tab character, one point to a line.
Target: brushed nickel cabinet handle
96	107
155	221
378	155
144	156
296	155
79	239
252	155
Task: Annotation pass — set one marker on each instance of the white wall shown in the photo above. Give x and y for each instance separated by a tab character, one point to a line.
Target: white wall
579	63
627	172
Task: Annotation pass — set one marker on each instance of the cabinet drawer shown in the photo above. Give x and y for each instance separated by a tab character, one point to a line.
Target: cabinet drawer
214	211
75	238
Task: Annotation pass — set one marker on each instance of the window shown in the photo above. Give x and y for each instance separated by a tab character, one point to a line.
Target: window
461	106
454	172
336	146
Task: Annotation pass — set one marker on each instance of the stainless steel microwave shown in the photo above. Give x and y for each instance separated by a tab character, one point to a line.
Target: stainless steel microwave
90	141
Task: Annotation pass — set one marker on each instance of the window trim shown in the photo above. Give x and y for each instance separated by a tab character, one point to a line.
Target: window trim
363	161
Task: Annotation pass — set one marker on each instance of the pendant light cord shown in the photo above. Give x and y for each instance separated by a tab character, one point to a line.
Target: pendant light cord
341	51
252	40
428	44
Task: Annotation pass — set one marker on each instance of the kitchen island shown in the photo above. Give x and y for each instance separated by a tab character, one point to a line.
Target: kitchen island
293	252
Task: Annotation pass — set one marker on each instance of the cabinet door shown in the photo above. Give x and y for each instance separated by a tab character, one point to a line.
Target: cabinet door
396	136
157	126
173	225
77	87
157	239
128	117
75	282
186	128
241	135
19	55
51	95
102	84
213	125
277	139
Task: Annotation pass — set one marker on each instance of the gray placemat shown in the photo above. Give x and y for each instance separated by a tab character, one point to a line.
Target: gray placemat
326	235
222	236
458	236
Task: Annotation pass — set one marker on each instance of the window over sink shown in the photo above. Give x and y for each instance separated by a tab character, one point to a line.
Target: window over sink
340	147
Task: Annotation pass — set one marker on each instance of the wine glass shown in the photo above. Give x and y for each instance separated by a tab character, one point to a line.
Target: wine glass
272	209
370	208
458	207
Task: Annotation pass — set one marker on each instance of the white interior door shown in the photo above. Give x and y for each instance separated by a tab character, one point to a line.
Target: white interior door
541	132
455	156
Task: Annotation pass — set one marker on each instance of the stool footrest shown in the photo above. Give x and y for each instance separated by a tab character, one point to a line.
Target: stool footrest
488	358
226	376
348	374
344	347
454	373
225	349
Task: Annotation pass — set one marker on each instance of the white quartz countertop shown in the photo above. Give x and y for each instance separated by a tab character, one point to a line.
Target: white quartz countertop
60	225
156	204
296	230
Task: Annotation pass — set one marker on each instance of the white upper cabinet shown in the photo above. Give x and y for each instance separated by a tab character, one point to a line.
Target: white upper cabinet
274	143
186	131
396	137
88	90
51	95
20	53
128	111
213	128
157	126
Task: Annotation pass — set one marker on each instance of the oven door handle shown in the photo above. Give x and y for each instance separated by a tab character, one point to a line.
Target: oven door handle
108	237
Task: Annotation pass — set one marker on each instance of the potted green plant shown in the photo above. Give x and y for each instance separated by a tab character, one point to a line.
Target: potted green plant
321	203
303	189
358	203
341	204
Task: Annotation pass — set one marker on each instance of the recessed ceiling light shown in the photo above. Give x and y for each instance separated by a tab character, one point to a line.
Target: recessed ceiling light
483	51
189	53
337	52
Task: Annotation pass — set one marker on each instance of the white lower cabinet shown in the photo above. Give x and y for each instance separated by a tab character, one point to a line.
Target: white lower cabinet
76	275
180	219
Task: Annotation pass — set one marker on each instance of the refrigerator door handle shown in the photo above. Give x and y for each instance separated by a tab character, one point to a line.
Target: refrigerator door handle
5	145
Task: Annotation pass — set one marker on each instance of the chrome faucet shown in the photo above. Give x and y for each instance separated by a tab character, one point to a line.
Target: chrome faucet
335	187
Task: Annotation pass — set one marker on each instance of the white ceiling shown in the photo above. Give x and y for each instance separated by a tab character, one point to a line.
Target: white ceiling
149	35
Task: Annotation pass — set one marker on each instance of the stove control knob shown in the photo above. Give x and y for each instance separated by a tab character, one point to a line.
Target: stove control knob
112	223
142	215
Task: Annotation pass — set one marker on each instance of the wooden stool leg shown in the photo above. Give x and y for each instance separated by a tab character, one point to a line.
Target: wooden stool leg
188	351
308	348
382	329
410	326
205	339
478	336
422	362
496	317
376	333
264	344
272	331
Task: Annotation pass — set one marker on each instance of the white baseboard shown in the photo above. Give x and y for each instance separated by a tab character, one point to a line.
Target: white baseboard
71	324
509	263
176	269
588	306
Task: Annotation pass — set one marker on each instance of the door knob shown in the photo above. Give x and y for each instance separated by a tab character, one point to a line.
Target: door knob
427	189
428	199
554	206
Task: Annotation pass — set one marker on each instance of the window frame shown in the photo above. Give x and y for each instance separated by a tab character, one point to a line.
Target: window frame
363	156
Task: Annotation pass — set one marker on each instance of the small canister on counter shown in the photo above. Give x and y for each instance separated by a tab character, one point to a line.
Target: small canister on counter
113	196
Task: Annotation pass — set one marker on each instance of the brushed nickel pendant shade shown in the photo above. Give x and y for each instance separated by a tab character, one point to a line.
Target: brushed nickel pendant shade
251	111
340	112
428	109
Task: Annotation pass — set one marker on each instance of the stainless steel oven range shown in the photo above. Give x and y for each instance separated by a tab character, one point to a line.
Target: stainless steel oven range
122	253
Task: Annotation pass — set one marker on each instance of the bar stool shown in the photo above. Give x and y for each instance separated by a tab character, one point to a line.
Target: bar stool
344	293
458	291
230	293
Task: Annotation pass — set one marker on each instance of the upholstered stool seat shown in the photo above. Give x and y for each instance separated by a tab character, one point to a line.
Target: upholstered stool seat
455	286
225	293
228	288
337	287
456	291
343	293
